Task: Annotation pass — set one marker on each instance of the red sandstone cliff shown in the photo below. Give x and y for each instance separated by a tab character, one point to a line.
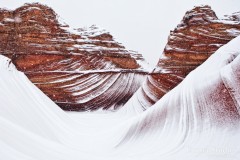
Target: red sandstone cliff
199	35
79	69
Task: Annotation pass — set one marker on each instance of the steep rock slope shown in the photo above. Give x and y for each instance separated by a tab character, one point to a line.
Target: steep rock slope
199	35
79	69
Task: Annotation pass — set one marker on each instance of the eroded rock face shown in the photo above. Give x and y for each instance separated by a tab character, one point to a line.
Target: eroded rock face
198	36
79	69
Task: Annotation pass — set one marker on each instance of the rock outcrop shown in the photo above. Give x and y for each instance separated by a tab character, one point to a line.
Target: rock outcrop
198	36
79	69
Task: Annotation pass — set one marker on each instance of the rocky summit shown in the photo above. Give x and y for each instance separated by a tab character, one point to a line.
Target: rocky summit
79	69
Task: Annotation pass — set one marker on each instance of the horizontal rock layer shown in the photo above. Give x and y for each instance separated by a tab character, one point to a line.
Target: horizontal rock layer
53	56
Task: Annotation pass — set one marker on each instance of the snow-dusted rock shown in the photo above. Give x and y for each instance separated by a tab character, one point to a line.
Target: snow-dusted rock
80	69
199	35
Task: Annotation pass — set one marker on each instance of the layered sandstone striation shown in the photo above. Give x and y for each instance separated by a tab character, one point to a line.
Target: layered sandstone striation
198	36
79	69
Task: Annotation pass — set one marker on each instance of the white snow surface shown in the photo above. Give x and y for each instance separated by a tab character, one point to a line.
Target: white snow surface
191	122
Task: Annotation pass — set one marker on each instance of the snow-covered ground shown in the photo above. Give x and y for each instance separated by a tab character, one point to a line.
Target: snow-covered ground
199	119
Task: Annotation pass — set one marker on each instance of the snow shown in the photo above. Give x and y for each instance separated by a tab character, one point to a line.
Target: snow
187	123
168	48
233	32
145	66
85	32
226	21
8	20
17	19
31	8
13	20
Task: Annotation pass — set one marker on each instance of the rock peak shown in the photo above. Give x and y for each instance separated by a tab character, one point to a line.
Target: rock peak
36	5
198	15
37	12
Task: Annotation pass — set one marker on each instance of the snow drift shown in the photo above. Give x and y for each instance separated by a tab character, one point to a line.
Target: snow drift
199	119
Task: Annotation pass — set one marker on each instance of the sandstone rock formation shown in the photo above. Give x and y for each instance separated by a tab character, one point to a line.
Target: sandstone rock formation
199	35
79	69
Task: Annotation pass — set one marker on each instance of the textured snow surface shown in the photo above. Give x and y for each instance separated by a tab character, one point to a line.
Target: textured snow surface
197	120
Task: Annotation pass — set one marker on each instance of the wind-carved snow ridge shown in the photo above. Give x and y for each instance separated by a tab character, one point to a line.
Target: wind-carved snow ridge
199	118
